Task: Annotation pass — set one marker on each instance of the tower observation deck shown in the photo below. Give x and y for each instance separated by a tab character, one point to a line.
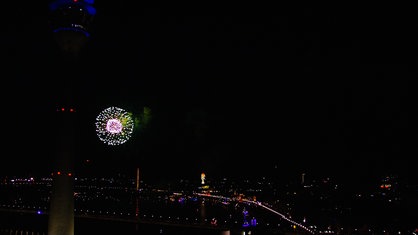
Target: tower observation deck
70	21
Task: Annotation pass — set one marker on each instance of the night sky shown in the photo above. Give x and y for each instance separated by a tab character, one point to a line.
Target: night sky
324	90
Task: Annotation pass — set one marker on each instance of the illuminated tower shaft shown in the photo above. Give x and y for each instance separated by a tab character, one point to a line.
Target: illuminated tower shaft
61	211
69	21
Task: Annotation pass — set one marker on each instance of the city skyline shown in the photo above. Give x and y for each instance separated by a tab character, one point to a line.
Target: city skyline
230	92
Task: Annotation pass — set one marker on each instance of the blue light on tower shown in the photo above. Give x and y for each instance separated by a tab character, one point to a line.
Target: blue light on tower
72	15
62	4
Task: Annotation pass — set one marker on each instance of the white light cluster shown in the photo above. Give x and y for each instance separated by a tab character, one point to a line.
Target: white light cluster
114	126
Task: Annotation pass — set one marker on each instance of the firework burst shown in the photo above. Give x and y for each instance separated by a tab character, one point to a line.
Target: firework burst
114	126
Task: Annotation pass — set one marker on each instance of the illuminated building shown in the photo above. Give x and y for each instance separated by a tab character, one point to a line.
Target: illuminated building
202	178
204	188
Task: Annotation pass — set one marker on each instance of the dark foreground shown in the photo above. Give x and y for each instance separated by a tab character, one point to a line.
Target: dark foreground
33	224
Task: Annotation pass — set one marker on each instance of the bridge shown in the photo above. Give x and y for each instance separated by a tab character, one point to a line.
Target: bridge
153	206
208	221
263	206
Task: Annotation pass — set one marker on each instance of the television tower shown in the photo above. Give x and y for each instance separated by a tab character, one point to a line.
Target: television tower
70	20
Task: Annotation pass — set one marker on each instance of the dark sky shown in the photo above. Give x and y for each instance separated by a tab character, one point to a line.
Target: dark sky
327	90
